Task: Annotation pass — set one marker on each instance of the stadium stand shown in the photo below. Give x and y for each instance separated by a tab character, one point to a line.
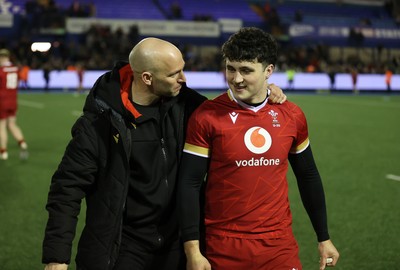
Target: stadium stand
314	34
159	10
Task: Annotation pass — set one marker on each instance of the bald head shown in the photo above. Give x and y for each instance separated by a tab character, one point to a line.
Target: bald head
158	70
151	54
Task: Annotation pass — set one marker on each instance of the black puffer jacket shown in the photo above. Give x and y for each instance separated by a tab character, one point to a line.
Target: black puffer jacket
96	166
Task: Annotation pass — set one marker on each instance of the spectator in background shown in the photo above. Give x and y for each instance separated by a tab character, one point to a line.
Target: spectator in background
33	10
290	74
77	9
272	20
388	79
354	77
298	16
46	76
332	77
176	11
23	75
8	106
356	37
80	71
243	146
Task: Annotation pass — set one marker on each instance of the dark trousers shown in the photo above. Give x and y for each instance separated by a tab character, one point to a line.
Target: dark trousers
133	257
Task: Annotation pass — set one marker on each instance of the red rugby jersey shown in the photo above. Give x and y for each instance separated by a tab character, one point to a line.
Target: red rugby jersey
8	84
247	190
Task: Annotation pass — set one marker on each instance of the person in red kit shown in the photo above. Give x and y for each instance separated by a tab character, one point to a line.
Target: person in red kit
244	144
8	106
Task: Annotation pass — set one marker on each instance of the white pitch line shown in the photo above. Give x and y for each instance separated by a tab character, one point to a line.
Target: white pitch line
32	104
393	177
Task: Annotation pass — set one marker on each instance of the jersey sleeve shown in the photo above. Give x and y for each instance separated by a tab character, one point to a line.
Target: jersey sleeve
307	175
193	167
198	138
301	141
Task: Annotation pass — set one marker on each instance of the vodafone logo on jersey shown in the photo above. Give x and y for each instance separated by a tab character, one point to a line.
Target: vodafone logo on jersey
257	140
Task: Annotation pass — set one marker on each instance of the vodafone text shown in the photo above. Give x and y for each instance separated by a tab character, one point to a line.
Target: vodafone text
258	162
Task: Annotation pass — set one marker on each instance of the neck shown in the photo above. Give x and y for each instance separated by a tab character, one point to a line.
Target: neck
142	96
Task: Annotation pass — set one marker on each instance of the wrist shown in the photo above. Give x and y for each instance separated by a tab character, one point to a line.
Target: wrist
192	247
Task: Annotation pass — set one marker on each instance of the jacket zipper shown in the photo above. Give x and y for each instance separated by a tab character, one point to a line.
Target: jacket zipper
165	159
119	232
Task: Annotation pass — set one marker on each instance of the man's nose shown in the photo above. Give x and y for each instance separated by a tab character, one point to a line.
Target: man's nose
182	77
238	78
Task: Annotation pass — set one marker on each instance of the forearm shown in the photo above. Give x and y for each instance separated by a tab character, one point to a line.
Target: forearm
192	248
195	260
314	202
191	179
311	191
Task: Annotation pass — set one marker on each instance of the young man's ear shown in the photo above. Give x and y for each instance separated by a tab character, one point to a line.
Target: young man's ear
269	70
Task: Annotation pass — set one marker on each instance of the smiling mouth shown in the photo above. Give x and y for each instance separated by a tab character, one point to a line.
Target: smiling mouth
240	88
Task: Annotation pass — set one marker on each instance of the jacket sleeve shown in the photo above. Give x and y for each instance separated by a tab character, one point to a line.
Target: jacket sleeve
311	191
69	185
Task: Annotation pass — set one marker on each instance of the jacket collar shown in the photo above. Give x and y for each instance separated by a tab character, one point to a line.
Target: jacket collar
126	78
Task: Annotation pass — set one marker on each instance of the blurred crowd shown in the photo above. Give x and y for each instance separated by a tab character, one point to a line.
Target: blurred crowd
100	47
48	14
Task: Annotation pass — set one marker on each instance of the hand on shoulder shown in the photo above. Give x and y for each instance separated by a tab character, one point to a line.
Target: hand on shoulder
276	94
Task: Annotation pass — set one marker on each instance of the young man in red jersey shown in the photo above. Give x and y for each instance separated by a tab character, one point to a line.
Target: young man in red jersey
8	106
244	144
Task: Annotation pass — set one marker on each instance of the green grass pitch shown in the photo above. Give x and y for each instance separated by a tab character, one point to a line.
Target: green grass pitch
356	144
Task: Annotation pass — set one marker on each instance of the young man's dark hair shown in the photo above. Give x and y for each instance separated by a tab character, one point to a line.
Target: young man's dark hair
245	46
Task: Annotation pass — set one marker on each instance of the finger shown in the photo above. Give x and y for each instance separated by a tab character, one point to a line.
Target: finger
280	99
272	99
322	263
283	99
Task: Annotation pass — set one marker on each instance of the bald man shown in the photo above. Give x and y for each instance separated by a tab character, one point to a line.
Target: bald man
123	160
